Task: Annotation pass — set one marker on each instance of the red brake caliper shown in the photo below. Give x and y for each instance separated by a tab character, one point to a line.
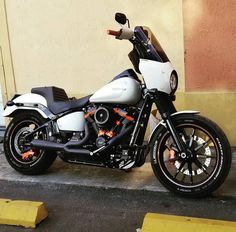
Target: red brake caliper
28	154
172	156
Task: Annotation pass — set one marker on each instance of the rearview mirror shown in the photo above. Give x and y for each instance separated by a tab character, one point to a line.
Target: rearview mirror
120	18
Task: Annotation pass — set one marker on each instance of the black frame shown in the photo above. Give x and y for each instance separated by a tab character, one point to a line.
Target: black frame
165	106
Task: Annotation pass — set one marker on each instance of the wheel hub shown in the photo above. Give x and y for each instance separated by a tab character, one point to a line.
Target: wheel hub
189	159
183	155
19	141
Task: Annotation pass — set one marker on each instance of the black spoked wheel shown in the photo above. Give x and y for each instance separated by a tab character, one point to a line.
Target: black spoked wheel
17	149
204	167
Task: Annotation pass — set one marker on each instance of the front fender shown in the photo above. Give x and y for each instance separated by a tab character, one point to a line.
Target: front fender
28	101
162	123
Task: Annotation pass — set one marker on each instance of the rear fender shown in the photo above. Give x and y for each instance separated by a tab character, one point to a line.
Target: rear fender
162	123
28	101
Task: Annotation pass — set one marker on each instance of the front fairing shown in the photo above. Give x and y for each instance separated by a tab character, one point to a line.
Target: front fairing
153	63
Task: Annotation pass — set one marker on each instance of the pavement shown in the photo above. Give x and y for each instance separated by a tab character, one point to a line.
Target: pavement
139	179
85	198
87	209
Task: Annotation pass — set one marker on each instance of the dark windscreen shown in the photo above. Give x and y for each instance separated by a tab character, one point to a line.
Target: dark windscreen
154	44
147	48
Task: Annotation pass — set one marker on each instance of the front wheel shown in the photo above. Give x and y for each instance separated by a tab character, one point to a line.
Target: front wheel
206	164
15	144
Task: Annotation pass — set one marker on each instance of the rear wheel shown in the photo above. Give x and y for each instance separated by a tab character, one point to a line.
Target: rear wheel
35	161
206	164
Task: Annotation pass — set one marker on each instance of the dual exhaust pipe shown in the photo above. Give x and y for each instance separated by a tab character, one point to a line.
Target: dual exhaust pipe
74	147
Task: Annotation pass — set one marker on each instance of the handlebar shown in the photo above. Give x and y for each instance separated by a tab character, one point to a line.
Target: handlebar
114	33
123	33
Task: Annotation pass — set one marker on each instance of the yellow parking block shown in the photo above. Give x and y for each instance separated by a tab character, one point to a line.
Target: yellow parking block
22	213
168	223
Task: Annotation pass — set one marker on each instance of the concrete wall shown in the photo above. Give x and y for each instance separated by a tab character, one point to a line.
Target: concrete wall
64	43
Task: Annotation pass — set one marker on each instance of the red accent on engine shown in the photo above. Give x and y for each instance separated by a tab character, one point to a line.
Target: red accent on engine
101	132
90	113
118	111
110	134
118	123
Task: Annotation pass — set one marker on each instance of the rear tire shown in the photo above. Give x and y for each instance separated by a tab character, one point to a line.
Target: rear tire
19	126
202	172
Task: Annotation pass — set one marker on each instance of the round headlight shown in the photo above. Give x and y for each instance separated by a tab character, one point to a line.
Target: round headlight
173	82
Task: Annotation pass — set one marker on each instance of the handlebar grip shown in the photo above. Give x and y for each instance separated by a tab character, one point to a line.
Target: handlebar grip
112	32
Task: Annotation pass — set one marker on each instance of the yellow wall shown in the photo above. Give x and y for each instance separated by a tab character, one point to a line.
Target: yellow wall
219	107
64	43
7	79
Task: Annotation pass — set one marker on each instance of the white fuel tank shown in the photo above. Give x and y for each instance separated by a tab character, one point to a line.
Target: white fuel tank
124	90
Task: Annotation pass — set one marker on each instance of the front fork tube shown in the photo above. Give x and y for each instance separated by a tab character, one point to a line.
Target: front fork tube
165	114
175	136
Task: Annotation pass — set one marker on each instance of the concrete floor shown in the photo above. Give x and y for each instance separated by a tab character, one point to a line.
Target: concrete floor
83	198
76	209
139	179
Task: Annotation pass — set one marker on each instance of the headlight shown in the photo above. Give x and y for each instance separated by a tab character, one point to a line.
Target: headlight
173	82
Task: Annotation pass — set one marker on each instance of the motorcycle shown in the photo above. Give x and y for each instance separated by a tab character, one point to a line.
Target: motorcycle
190	154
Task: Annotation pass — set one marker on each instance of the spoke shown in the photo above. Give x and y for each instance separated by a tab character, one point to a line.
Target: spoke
191	138
190	171
167	146
184	139
184	134
206	156
174	148
202	145
179	169
199	164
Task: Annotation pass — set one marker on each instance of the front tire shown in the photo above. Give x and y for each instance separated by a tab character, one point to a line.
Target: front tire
20	125
207	164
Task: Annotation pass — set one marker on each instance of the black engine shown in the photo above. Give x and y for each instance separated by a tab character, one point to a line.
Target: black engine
109	121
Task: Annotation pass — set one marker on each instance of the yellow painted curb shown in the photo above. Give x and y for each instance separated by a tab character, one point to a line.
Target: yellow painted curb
22	213
167	223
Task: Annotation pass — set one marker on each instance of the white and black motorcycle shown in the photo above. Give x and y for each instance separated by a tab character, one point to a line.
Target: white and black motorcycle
190	155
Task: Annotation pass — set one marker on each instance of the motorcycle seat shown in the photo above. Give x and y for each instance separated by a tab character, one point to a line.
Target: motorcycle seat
58	101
